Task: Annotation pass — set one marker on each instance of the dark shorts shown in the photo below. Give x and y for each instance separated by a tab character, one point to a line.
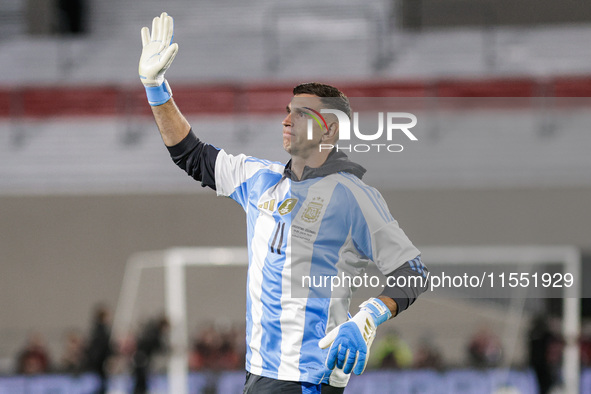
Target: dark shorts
261	385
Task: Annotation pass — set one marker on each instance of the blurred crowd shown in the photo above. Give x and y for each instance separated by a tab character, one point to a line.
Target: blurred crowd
217	346
80	353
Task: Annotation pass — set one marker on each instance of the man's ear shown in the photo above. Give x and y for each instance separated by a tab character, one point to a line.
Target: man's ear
332	133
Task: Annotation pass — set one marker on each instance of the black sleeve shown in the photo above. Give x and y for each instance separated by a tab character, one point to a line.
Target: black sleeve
411	280
196	158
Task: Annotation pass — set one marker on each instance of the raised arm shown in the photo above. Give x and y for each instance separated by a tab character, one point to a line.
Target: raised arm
157	55
172	124
187	151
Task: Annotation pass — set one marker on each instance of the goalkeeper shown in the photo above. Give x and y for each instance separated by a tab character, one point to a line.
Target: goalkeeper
311	216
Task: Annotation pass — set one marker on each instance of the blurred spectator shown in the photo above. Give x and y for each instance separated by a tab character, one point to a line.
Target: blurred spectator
99	349
485	349
71	16
545	353
392	352
150	341
204	350
216	348
586	345
72	358
34	358
228	356
428	356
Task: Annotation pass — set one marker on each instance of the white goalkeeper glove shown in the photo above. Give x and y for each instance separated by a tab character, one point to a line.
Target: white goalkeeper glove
350	342
157	54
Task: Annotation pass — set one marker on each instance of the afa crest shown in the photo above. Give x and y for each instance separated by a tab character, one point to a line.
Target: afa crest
313	210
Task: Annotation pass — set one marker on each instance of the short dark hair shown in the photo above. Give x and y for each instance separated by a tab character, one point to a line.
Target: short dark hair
335	98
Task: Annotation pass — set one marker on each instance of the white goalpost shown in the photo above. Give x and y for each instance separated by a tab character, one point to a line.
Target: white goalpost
175	261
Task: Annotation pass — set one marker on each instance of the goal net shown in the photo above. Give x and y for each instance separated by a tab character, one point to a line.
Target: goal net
502	286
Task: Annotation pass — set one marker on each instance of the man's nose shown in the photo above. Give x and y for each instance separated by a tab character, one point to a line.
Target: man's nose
287	120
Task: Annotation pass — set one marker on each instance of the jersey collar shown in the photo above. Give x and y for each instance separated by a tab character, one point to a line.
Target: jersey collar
335	162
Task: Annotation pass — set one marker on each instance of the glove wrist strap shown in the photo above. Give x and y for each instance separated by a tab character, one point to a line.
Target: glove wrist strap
158	95
377	309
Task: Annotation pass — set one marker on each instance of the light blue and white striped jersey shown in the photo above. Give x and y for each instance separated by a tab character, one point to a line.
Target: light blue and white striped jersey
322	226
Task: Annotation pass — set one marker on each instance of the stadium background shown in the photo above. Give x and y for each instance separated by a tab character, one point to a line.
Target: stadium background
85	181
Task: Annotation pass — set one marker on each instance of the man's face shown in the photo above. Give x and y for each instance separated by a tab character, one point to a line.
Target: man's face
295	126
